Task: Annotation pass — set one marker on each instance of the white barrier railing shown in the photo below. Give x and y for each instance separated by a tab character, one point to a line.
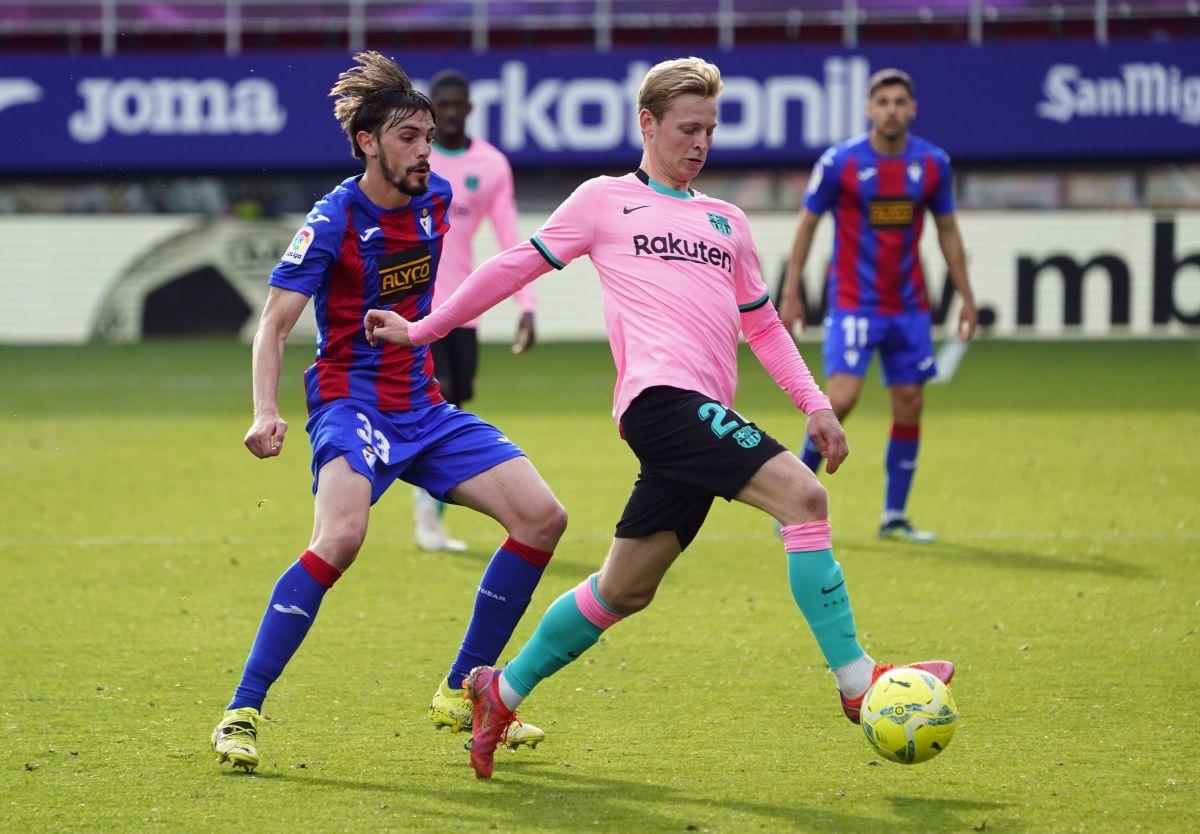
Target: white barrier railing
352	20
1045	274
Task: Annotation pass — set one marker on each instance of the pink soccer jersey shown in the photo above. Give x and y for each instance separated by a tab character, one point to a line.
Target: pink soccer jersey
482	184
679	276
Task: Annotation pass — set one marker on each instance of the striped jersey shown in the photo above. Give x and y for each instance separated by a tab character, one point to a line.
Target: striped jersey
878	205
349	257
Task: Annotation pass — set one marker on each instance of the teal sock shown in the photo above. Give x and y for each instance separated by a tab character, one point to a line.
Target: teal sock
820	590
560	638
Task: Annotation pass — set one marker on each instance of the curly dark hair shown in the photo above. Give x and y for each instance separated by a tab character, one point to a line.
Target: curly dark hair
374	96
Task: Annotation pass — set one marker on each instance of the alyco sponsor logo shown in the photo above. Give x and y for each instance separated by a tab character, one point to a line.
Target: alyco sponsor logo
671	248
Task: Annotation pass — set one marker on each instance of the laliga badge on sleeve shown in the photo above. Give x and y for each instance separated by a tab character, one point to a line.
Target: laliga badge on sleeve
298	246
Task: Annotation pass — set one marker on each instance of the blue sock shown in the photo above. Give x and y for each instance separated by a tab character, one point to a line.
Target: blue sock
504	593
810	455
901	465
290	613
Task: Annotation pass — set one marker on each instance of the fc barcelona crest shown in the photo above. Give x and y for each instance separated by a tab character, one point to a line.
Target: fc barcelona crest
747	436
720	222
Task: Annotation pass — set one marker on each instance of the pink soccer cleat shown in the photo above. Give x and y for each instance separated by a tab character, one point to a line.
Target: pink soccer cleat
491	718
943	670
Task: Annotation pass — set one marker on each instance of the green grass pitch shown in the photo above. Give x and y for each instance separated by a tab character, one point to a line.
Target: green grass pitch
139	541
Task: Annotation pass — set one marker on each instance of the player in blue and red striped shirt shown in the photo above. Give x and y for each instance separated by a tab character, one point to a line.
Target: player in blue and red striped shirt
878	187
375	412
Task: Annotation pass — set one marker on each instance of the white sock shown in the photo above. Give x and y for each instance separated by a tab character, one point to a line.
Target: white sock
511	697
854	678
892	515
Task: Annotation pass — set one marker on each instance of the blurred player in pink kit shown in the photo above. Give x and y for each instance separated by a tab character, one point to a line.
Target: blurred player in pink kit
680	280
482	183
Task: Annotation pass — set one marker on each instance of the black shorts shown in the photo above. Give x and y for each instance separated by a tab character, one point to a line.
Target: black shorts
455	361
691	449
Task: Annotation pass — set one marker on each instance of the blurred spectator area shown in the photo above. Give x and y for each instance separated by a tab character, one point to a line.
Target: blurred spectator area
1165	186
114	26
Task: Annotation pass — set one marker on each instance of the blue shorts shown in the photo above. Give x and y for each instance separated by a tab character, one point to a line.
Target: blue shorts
435	448
904	342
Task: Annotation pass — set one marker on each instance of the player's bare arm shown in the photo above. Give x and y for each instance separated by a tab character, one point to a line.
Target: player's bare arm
791	310
950	241
264	439
386	326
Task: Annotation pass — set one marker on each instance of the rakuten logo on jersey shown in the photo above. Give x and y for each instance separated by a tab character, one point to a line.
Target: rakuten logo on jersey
175	107
671	248
767	112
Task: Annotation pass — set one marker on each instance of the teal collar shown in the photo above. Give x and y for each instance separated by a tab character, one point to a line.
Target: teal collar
453	151
663	189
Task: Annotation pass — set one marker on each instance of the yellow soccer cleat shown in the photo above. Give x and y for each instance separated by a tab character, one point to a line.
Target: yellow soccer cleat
450	708
234	738
519	733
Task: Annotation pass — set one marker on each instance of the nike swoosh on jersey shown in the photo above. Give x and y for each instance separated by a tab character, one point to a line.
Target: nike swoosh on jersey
628	210
291	609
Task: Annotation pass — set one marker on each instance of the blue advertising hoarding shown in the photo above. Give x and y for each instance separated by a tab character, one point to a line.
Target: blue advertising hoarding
202	112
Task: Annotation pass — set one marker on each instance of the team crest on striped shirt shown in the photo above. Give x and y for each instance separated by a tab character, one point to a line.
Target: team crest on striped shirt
720	222
914	171
426	222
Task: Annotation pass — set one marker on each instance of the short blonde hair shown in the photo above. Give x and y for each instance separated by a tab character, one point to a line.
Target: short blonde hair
668	80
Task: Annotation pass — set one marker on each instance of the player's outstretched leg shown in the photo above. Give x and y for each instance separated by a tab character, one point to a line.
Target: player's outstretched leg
789	491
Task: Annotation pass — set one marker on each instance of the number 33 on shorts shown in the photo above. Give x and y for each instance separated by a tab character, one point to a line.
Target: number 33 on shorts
377	444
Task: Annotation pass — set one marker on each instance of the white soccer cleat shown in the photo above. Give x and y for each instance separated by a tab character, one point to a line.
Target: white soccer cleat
899	529
427	525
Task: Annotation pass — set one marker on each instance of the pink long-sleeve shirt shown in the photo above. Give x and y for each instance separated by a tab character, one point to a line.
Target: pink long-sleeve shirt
679	277
482	183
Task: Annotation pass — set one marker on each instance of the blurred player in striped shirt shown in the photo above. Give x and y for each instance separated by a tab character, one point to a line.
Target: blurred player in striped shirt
878	187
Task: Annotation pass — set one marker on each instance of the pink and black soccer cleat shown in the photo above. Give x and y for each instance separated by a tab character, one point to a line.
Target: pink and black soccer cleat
491	718
943	670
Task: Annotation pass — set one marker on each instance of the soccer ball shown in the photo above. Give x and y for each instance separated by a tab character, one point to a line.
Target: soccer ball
908	715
